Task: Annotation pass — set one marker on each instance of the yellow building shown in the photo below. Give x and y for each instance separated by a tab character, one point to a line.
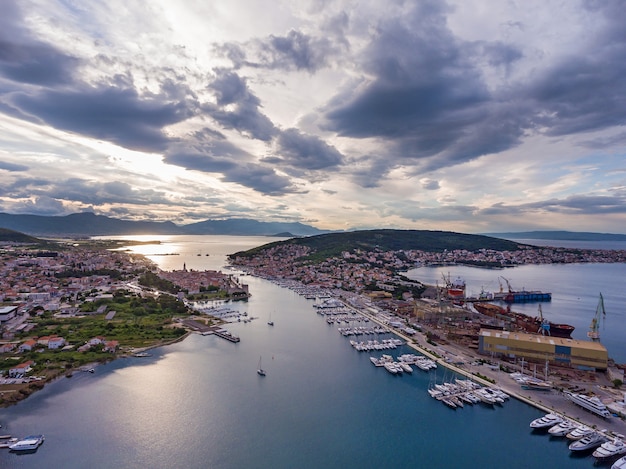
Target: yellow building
580	354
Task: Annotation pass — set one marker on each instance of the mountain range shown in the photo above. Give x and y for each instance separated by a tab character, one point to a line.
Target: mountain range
90	224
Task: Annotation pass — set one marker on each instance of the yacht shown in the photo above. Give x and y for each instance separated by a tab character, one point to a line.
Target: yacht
592	404
548	420
620	463
579	432
562	428
588	442
610	449
29	443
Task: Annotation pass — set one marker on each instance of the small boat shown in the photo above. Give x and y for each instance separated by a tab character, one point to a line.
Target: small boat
547	421
29	443
260	370
141	354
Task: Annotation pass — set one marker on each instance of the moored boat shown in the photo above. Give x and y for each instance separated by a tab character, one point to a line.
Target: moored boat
579	432
30	443
610	449
562	428
588	442
547	421
620	463
591	403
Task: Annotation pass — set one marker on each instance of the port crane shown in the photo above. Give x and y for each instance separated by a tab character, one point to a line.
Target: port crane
544	328
594	327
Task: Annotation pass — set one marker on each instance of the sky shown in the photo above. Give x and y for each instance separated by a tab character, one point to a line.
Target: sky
471	116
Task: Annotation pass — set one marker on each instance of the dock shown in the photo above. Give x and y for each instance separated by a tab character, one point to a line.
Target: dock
210	330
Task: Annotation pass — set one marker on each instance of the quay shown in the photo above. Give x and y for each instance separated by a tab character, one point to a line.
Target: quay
208	330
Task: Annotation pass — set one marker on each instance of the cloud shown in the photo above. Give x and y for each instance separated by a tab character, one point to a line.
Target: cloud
294	51
306	152
237	108
426	96
112	112
4	165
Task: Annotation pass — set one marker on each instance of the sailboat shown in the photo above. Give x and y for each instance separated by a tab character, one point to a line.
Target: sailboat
260	370
270	322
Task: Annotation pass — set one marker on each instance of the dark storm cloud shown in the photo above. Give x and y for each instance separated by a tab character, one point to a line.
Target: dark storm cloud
428	100
587	91
36	64
573	205
118	115
231	90
231	164
427	96
306	151
12	166
25	60
261	178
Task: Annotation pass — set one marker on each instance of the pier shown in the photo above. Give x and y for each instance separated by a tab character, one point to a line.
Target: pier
208	330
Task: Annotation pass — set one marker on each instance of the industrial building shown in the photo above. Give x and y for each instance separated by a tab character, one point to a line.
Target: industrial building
579	354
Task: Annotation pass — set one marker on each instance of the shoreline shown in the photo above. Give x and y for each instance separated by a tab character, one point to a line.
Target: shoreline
556	402
24	390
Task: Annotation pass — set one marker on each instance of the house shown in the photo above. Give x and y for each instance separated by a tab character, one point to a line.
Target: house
56	342
6	348
27	346
7	312
96	340
111	346
21	369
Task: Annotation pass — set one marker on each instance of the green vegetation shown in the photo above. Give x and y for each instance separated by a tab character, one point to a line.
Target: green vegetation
333	244
152	280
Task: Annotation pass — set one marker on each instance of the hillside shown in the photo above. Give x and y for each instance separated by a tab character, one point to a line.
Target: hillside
333	244
17	237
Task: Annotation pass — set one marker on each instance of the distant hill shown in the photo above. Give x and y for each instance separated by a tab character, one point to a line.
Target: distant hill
16	236
333	244
560	235
237	226
90	224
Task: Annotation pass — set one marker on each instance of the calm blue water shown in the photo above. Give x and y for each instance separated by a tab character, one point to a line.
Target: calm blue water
200	404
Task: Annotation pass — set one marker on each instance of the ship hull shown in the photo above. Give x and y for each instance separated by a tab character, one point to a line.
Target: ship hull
524	322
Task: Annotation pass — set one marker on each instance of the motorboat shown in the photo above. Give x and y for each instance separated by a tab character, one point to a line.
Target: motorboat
590	403
562	428
547	421
579	432
30	443
610	449
620	463
589	442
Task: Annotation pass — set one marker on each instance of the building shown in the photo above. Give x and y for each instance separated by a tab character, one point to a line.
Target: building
7	312
580	354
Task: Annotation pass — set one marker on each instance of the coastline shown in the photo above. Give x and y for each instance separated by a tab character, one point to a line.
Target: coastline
24	390
548	402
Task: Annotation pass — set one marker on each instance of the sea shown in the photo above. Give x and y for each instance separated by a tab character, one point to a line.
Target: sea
199	403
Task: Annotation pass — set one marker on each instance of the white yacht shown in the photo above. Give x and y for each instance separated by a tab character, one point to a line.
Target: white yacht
588	442
562	428
579	432
592	404
610	449
548	420
620	463
29	443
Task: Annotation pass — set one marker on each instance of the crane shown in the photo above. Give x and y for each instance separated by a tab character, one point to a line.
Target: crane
594	327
